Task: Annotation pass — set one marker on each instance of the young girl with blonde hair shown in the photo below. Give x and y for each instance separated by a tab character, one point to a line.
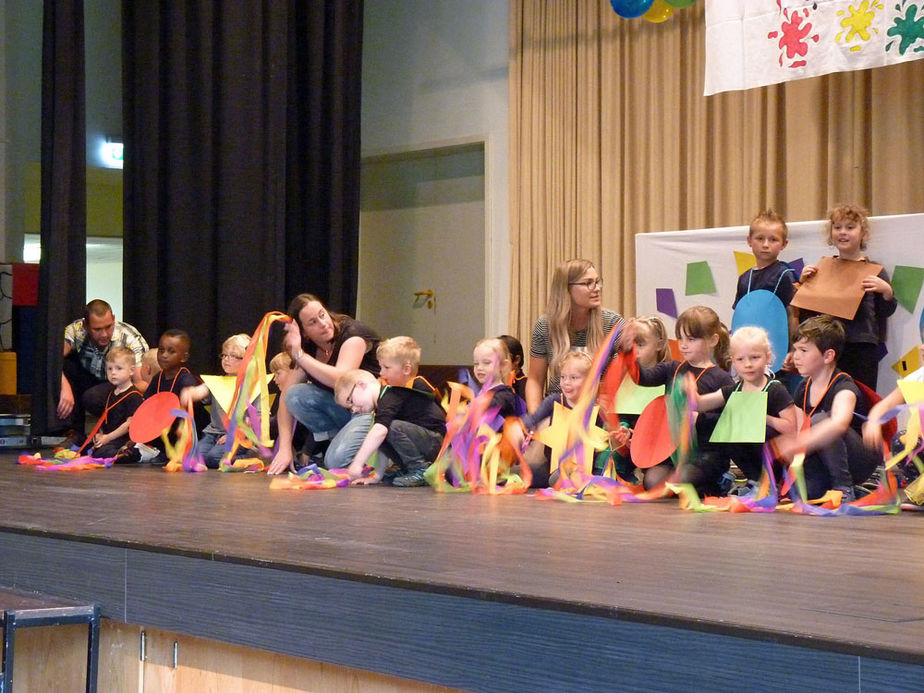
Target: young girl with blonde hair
702	340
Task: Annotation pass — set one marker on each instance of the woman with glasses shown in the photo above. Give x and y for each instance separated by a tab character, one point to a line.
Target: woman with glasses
323	346
573	319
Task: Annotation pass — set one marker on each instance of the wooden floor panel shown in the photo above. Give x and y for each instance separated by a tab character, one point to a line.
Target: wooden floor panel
844	583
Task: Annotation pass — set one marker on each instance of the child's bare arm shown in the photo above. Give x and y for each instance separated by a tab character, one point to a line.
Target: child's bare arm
785	423
196	393
872	433
103	438
823	432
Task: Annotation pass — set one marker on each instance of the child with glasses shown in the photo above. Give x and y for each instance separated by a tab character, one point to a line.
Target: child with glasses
214	443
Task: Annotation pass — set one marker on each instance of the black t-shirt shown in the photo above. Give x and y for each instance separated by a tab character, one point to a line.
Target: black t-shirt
505	399
349	328
416	404
119	408
707	380
777	278
839	381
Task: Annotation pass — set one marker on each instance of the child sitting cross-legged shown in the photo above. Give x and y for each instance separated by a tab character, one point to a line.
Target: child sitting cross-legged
408	423
836	458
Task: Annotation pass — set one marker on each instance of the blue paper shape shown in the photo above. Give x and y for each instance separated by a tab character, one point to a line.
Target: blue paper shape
797	267
666	303
762	308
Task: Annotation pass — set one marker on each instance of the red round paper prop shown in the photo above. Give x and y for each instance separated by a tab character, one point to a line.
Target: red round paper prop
153	417
651	438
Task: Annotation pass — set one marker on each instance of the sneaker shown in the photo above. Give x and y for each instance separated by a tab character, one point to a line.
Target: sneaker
725	483
748	489
410	479
848	495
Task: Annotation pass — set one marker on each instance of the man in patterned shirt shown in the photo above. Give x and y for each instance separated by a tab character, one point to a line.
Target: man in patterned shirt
86	343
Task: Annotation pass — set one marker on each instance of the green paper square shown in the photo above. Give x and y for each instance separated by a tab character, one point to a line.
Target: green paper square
906	285
699	278
743	420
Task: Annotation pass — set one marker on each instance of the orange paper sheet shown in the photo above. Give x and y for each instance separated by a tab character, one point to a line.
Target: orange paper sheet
836	288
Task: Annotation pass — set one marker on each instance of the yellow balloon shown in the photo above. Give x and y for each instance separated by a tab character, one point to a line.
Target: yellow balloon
659	12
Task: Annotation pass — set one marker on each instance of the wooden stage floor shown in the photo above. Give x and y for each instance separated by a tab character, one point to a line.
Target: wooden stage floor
831	592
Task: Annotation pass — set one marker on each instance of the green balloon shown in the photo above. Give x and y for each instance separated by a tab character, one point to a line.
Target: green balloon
680	3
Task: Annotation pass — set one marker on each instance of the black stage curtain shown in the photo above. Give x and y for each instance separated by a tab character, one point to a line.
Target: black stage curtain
241	162
62	271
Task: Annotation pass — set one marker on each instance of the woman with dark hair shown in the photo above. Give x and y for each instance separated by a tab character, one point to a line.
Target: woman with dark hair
323	346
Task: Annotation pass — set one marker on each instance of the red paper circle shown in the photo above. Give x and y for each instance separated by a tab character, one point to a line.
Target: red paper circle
153	417
651	437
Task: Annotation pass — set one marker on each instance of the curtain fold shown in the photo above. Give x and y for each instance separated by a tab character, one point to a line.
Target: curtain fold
62	269
240	131
611	137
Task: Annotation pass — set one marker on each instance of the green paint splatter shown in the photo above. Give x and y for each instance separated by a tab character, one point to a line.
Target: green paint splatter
909	28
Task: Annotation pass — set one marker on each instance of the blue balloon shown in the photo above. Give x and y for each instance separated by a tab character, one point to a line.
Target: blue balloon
630	9
762	308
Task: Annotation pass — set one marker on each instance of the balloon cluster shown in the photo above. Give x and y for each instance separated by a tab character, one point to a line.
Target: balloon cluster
653	10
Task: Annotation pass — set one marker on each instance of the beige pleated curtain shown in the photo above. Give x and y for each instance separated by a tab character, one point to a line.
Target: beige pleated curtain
611	137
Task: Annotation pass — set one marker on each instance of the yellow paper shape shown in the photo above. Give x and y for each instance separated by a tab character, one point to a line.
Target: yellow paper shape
912	391
908	363
744	262
632	398
222	388
562	434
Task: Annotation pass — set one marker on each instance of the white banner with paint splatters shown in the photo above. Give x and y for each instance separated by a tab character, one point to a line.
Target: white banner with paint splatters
753	43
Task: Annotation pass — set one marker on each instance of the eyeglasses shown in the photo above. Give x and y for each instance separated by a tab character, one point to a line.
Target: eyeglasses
589	284
233	357
349	399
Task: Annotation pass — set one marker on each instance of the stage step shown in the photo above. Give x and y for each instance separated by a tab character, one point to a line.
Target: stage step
26	609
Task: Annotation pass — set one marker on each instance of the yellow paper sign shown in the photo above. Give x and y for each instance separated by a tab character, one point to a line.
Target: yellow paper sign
222	388
912	391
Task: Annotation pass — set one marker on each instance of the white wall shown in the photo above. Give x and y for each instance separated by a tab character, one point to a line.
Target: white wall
435	72
894	240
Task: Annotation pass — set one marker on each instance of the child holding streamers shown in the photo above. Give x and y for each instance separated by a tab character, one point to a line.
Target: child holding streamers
651	348
848	231
829	433
572	368
214	443
172	355
751	357
491	366
703	342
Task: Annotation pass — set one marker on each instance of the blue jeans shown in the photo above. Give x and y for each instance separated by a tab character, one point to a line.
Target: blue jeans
413	447
315	408
212	452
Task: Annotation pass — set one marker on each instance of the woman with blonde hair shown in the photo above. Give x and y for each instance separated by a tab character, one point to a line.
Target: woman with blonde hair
573	319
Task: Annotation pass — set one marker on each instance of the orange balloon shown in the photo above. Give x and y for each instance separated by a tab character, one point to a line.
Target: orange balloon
659	12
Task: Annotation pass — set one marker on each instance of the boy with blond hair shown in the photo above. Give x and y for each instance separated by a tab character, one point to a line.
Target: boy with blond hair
408	424
122	399
767	236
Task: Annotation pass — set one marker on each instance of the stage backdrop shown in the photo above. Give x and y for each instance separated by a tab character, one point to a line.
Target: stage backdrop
679	269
